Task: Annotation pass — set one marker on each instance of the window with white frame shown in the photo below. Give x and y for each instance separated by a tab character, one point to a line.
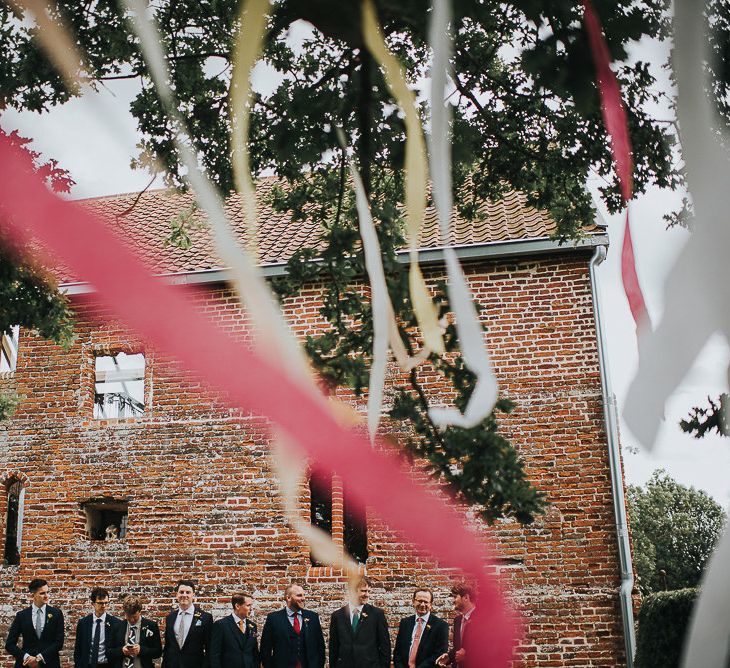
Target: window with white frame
119	386
9	349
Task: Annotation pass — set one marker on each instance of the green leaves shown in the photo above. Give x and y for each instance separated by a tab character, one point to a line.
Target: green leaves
675	529
526	118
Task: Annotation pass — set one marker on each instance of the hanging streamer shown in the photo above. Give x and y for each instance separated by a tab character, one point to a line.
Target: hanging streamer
385	325
245	273
249	43
468	327
289	466
272	336
163	316
55	39
614	118
415	176
379	299
697	280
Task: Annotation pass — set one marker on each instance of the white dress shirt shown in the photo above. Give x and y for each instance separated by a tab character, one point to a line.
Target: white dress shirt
353	609
237	620
102	636
186	615
415	627
34	611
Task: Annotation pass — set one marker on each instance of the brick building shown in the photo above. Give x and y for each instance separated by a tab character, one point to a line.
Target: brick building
111	434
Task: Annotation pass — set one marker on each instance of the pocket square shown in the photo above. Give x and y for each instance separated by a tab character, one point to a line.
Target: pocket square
198	623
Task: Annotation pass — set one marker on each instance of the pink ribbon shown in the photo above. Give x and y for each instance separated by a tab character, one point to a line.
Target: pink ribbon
166	317
614	118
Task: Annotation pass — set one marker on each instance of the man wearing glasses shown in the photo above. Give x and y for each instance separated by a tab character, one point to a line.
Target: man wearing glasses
94	633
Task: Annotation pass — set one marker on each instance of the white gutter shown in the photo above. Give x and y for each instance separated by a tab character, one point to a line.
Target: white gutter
610	417
494	250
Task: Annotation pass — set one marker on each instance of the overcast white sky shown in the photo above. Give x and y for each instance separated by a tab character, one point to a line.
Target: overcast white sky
98	155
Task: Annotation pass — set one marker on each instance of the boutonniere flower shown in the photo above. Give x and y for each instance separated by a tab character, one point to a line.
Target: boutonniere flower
363	615
50	615
147	632
196	615
306	620
428	627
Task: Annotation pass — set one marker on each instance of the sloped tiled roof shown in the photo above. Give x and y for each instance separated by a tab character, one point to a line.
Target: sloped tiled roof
147	227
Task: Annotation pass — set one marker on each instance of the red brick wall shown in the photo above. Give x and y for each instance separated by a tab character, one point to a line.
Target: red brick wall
202	502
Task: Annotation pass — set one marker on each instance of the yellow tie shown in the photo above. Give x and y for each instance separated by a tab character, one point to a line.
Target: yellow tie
242	625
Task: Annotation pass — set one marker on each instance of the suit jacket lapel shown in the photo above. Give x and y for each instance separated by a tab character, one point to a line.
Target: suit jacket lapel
172	619
47	621
240	637
424	633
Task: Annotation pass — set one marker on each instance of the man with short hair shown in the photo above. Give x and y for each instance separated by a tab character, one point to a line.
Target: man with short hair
234	643
41	628
292	637
137	641
422	638
359	635
465	599
187	631
94	633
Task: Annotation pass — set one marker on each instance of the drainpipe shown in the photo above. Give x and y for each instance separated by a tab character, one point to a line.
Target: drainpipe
617	487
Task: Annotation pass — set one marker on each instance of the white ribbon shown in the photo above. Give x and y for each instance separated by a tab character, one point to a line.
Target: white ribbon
469	330
695	307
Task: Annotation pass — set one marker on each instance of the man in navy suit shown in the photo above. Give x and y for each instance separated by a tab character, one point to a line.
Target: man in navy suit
359	635
292	637
234	643
41	628
187	631
94	633
422	638
137	642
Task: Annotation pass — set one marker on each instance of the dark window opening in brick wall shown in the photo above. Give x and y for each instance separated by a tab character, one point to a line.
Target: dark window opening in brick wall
320	503
9	349
119	386
333	511
355	529
13	523
106	519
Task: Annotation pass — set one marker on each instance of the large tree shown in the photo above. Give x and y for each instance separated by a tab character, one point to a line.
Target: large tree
674	530
526	118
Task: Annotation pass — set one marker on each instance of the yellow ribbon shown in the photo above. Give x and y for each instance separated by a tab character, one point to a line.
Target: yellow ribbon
415	175
252	20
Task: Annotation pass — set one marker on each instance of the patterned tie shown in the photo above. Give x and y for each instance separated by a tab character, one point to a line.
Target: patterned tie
181	629
414	646
131	640
242	625
94	658
355	620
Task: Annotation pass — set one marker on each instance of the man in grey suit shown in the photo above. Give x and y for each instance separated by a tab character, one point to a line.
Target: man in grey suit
359	635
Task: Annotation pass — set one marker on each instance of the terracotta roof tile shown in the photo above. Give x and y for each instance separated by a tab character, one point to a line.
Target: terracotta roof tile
147	226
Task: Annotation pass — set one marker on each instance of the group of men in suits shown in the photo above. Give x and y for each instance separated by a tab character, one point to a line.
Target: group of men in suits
292	637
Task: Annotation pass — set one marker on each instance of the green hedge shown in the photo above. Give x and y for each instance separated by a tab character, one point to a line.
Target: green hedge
663	621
